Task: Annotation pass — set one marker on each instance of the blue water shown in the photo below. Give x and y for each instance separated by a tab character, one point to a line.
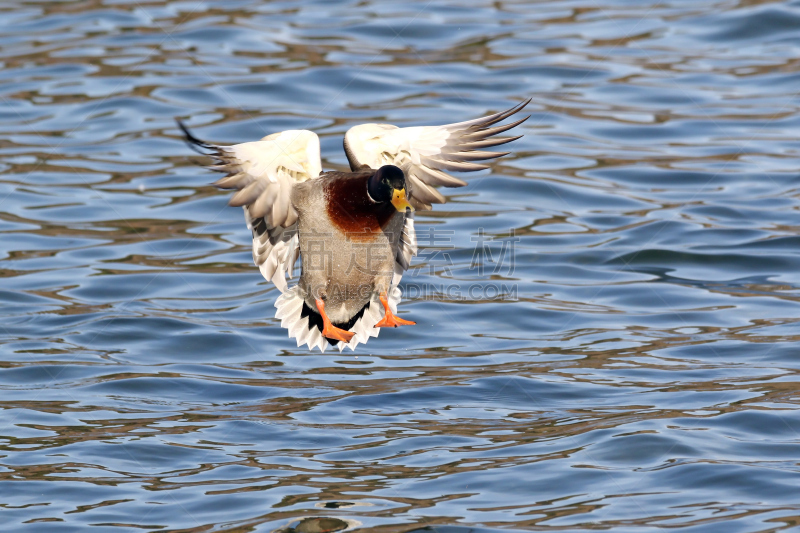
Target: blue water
608	319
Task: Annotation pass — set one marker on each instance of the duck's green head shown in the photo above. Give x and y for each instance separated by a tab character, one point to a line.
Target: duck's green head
388	184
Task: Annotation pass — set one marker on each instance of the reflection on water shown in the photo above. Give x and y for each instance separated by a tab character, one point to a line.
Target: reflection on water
643	376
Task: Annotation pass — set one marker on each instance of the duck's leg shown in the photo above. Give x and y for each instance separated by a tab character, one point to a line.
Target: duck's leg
330	331
389	320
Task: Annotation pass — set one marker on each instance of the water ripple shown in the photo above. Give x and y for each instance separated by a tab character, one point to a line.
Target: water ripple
629	363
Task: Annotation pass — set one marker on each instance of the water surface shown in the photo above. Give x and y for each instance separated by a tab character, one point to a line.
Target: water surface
630	363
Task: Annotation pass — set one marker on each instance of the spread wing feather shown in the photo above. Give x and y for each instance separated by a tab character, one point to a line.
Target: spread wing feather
425	153
263	174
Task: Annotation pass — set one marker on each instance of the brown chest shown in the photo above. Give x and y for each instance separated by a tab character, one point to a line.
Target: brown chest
351	210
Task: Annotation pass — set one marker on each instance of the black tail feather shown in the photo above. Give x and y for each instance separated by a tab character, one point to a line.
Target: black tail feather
315	320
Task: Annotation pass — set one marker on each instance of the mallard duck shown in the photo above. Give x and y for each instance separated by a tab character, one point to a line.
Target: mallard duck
354	231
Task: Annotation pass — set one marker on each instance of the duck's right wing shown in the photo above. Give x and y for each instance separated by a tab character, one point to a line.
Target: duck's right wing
263	174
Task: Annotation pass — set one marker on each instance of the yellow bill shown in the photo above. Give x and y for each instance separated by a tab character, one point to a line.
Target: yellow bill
400	201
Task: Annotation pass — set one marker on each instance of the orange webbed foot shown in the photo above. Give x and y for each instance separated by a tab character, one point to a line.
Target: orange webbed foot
338	334
389	320
329	331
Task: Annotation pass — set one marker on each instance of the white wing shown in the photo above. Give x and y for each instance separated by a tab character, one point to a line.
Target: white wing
264	172
425	152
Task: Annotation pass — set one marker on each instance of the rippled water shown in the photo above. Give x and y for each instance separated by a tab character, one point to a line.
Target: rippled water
638	371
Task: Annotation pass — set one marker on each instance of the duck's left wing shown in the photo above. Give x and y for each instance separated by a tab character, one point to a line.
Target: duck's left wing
426	152
263	173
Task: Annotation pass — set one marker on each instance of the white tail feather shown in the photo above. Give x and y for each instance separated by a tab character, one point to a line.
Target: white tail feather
290	308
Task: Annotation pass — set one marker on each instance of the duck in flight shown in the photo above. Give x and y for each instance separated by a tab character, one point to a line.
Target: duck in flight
354	231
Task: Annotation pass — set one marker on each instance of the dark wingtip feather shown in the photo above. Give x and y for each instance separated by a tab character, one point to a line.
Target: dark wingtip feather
193	142
487	143
488	132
